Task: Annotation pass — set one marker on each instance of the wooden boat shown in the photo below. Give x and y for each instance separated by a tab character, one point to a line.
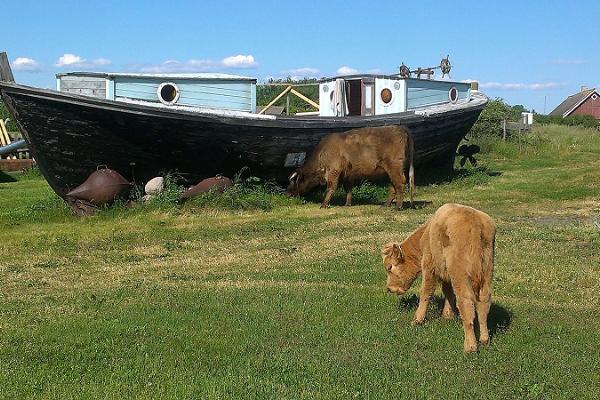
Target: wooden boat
70	135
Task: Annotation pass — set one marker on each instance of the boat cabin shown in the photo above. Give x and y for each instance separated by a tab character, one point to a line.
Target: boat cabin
366	95
201	90
355	95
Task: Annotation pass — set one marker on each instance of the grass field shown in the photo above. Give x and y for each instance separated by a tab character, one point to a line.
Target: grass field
281	299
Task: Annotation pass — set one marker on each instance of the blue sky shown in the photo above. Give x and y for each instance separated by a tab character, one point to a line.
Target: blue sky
522	51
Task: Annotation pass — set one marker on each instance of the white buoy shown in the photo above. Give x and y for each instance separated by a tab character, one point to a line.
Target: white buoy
155	186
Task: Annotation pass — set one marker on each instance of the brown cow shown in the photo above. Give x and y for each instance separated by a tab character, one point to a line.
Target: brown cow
358	154
455	246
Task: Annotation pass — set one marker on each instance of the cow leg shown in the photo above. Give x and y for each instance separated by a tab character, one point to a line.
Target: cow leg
483	309
348	183
396	175
390	197
466	306
427	288
449	301
332	184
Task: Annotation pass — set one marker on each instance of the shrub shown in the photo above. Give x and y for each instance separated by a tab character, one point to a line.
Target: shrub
584	121
490	119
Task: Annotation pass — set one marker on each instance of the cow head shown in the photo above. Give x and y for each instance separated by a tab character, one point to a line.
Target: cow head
301	182
401	272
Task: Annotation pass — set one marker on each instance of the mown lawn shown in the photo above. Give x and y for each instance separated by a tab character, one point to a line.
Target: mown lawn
285	300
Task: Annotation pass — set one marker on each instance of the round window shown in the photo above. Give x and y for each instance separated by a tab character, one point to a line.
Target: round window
325	88
168	93
453	95
386	95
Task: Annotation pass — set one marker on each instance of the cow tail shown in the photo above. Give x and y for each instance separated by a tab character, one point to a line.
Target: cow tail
411	169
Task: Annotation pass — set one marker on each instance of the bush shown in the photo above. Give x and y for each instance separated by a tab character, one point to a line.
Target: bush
5	114
490	119
584	121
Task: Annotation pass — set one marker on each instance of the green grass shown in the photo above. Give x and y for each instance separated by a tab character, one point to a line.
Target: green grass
254	295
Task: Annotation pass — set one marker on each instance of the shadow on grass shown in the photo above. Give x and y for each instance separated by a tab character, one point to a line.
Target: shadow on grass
446	175
499	318
6	178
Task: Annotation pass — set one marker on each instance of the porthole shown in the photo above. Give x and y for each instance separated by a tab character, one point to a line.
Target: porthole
397	85
168	93
453	95
386	95
325	88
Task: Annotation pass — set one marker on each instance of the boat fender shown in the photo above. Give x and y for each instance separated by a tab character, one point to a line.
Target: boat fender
102	187
155	186
218	184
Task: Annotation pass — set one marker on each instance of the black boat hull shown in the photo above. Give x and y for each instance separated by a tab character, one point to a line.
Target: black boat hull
70	136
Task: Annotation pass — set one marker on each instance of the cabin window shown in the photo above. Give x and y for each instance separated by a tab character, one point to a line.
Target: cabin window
594	96
386	95
168	93
453	95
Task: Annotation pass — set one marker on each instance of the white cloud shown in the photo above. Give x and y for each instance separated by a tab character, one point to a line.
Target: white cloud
26	64
569	62
195	65
307	72
345	70
101	61
240	61
72	60
69	59
376	71
521	86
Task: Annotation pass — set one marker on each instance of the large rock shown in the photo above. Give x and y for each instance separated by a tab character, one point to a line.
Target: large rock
218	183
101	187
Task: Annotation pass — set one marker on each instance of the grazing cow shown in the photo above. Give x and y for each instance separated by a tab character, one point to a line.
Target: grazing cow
455	246
363	153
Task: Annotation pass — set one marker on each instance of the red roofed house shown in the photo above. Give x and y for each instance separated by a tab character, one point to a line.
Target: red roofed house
586	102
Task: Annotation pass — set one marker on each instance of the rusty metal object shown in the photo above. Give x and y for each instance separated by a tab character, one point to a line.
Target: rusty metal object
218	184
101	187
467	152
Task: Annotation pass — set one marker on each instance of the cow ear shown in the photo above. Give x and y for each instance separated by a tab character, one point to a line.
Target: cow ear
387	250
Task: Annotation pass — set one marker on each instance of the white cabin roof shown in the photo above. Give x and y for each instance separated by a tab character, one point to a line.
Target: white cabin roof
197	76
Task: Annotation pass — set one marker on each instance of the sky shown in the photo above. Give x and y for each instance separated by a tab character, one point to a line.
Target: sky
533	53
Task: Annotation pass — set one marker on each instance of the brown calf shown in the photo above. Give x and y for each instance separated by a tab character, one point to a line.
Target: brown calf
363	153
456	247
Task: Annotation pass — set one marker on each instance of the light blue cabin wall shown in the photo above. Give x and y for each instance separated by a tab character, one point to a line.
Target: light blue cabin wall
229	95
110	89
422	93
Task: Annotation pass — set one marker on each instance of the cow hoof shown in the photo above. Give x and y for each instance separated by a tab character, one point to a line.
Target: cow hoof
484	341
470	348
417	322
448	315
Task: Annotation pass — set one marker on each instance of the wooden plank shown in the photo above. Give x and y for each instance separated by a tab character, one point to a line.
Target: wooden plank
83	85
5	71
287	89
4	133
306	99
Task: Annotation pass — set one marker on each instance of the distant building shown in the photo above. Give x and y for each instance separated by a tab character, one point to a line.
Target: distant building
586	102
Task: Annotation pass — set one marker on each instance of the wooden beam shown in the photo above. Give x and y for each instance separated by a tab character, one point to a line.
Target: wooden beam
287	89
6	74
306	99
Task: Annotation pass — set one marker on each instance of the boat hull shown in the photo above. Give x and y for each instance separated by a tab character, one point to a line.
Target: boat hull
70	136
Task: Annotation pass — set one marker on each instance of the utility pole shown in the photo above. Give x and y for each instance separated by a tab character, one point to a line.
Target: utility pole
545	104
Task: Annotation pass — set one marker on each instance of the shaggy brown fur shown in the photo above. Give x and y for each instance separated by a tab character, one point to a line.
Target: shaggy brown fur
455	247
358	154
